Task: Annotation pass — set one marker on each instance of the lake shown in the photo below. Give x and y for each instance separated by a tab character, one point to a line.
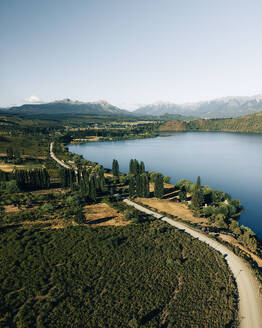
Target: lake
231	162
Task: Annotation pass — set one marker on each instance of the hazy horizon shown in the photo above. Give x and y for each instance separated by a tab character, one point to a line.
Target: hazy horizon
130	107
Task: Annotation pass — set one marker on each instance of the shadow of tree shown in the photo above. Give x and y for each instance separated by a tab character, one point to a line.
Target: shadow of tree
149	316
101	220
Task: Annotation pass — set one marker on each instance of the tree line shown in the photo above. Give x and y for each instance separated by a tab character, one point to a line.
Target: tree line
27	180
32	179
88	182
139	179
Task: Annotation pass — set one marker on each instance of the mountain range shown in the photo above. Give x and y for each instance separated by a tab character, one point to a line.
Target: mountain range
67	106
217	108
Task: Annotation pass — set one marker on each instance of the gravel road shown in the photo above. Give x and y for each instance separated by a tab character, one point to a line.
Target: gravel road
55	158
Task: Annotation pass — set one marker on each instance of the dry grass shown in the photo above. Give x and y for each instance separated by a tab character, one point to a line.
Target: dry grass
50	191
168	187
173	126
103	215
90	138
11	208
9	167
231	240
55	224
176	209
6	167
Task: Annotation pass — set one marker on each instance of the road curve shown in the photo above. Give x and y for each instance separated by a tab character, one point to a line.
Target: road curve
55	158
250	302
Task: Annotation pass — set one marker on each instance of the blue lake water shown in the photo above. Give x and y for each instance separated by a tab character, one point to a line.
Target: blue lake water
231	162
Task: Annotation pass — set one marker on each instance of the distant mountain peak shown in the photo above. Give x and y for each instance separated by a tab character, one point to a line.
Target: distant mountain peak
217	108
68	106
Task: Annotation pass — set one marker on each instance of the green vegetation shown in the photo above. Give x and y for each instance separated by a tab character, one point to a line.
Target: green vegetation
159	186
115	168
221	211
32	179
138	179
145	274
249	123
143	130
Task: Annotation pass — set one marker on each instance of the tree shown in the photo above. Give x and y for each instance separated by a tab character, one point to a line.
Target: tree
141	167
145	185
182	194
234	227
32	179
198	184
198	195
134	167
217	197
139	185
131	165
248	238
115	168
159	186
92	191
132	186
221	223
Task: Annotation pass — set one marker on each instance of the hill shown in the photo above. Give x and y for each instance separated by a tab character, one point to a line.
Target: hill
217	108
67	106
249	123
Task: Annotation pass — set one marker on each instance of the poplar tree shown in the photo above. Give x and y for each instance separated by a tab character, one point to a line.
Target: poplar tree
141	167
134	167
131	165
92	191
145	185
159	186
132	186
197	196
32	179
138	186
115	168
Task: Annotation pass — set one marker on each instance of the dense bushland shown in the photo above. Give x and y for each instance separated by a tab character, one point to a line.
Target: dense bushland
146	275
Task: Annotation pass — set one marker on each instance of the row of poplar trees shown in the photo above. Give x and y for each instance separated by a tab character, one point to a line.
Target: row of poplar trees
89	182
32	179
139	179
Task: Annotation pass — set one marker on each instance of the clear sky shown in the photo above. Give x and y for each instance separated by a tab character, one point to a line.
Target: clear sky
129	52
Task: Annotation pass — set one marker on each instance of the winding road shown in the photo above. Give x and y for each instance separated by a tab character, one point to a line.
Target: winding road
250	301
56	159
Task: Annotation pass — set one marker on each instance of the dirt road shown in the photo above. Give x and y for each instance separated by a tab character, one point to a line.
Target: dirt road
55	158
250	303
